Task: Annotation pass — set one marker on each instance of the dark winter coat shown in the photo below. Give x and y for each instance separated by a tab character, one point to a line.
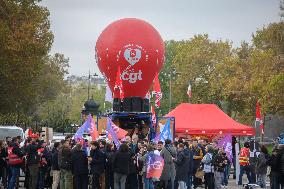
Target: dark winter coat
121	162
54	158
188	152
65	159
261	164
80	162
3	156
109	160
32	154
182	164
132	167
98	161
169	171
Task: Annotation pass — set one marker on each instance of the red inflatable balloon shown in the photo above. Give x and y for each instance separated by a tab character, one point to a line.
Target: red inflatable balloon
137	48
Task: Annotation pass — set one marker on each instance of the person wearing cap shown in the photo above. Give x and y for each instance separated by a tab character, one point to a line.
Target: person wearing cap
33	161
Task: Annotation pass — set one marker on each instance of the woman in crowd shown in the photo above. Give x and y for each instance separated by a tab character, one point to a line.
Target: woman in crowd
182	165
208	167
261	166
146	159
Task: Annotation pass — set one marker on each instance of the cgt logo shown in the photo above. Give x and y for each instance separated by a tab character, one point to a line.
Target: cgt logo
131	76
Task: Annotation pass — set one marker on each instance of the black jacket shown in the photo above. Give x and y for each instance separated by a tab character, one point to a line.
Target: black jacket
54	159
80	162
109	160
121	162
65	159
32	154
98	161
189	154
220	162
182	164
3	156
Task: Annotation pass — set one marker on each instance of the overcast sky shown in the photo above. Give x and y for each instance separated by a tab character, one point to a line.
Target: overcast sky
76	24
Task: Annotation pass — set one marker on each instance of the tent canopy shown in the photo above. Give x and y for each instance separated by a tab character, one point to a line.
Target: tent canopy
206	119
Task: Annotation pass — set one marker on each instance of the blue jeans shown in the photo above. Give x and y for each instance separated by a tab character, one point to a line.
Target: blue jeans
15	172
189	182
41	177
148	183
226	175
244	169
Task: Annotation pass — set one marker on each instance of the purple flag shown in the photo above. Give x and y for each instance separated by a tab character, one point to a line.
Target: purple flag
154	165
111	132
86	127
226	143
79	134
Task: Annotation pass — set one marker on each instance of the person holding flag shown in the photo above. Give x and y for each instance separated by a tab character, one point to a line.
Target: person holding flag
152	167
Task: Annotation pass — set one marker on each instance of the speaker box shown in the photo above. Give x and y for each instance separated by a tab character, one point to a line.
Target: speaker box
116	105
126	105
146	105
136	103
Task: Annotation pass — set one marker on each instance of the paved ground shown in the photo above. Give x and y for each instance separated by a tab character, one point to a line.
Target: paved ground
232	184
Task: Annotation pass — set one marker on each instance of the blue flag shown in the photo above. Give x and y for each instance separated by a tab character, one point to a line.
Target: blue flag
166	132
84	128
79	134
112	133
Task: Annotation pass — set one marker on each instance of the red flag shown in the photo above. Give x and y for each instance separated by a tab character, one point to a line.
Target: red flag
121	133
93	131
118	84
153	116
157	91
148	95
258	117
189	91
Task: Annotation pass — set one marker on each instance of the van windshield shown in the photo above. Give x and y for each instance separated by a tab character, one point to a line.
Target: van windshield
5	132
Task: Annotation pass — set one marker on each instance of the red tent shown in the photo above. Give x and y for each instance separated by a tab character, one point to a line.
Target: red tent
206	119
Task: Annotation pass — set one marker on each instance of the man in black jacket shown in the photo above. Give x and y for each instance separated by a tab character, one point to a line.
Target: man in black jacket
97	164
33	162
15	157
80	167
121	166
65	165
55	166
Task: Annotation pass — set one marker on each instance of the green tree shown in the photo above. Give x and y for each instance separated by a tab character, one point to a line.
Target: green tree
196	61
25	40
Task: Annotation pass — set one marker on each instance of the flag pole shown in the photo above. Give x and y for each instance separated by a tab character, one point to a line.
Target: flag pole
262	130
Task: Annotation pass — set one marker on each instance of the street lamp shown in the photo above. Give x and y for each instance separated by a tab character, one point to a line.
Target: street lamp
89	83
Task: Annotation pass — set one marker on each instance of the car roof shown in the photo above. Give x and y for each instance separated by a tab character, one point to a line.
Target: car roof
10	127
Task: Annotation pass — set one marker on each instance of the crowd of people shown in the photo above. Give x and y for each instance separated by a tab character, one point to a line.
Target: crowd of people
100	165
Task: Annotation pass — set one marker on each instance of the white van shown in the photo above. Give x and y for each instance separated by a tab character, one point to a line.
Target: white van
11	131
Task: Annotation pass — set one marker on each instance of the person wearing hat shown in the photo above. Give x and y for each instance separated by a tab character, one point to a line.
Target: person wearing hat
33	161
